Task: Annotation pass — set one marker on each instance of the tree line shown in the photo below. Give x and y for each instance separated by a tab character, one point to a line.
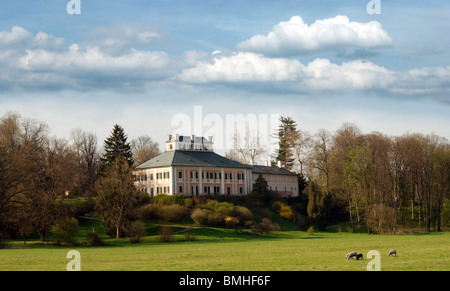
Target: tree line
382	182
39	171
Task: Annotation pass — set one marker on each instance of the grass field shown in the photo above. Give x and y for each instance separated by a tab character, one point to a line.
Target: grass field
216	249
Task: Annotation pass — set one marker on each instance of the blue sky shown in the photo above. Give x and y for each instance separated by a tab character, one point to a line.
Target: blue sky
140	63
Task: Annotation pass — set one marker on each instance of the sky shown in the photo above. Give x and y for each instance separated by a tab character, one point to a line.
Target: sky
194	67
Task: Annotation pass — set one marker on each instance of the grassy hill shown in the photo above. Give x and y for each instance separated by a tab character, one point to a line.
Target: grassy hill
216	249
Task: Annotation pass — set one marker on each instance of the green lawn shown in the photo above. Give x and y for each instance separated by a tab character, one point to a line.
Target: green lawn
218	249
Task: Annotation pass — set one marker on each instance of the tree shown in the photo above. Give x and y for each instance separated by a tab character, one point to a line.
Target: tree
321	157
347	137
300	142
116	146
261	188
144	149
285	155
318	205
117	198
85	145
247	149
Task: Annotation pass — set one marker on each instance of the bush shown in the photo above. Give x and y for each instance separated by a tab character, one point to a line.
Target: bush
66	231
135	231
285	211
189	236
215	213
199	215
149	212
165	234
172	213
165	199
93	239
266	226
311	230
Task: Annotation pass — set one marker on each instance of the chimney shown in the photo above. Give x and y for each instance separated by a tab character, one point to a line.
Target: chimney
169	137
193	138
279	164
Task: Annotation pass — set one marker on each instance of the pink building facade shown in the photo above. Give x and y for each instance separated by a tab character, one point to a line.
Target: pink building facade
190	167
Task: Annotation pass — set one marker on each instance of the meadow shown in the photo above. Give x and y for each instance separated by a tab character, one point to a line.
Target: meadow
222	249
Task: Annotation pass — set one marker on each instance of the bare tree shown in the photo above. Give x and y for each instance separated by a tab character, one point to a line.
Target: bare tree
144	149
321	156
301	142
85	146
247	149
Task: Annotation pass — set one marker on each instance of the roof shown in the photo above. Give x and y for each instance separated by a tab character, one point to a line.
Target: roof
191	158
271	170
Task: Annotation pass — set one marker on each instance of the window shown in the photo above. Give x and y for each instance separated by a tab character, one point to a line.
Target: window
166	175
180	175
240	190
228	190
180	189
151	177
152	192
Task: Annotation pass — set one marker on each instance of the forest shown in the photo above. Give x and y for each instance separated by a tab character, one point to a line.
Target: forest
387	183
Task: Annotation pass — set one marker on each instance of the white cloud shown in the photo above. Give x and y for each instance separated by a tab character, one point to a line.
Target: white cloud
295	36
20	38
319	75
360	75
16	36
243	67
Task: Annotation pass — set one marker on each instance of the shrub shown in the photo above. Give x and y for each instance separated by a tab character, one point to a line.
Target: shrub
231	222
266	226
215	213
93	239
165	234
66	231
285	211
135	231
189	236
172	213
149	212
199	215
243	213
311	230
165	199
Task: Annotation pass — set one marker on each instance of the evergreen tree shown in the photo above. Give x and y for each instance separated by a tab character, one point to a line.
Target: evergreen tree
116	146
260	188
318	206
287	126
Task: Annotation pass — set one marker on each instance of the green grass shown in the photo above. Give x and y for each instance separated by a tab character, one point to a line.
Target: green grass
217	249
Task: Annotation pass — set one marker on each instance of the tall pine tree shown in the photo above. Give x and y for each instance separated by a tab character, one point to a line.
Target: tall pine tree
116	146
285	156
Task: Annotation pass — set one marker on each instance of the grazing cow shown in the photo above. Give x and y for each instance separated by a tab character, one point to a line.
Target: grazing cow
359	256
351	255
392	252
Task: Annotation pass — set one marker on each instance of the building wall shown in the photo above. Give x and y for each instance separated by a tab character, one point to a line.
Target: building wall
194	181
210	180
285	185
